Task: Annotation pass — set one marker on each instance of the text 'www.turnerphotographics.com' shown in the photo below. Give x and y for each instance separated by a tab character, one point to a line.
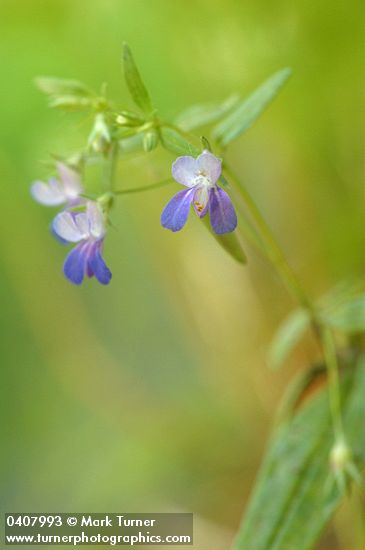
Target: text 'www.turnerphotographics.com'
113	529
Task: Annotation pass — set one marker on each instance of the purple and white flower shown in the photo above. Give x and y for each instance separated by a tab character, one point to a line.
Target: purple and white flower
65	190
87	229
200	176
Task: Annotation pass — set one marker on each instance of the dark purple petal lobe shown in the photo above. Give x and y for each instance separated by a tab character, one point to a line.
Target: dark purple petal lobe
223	217
175	213
75	263
97	266
89	270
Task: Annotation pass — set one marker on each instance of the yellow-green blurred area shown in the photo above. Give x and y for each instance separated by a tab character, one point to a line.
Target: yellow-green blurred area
153	394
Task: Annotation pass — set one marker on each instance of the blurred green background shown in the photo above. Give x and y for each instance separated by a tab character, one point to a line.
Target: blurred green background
153	394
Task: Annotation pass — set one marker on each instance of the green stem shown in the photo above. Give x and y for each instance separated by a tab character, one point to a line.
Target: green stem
110	167
249	233
290	279
143	188
135	131
186	135
272	248
329	351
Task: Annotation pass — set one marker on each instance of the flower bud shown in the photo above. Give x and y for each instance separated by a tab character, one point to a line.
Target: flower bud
100	139
340	456
127	118
150	140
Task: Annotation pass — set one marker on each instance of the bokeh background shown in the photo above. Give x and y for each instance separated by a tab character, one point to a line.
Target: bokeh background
153	394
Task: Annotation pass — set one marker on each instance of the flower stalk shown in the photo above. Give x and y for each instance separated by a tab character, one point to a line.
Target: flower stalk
143	188
272	248
329	351
341	455
110	167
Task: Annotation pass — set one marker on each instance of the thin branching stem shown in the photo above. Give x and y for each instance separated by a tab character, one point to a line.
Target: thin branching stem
110	167
329	351
272	248
149	187
288	276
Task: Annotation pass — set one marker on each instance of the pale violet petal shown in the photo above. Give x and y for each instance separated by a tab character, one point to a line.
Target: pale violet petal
71	181
210	165
82	224
66	227
184	170
95	218
49	194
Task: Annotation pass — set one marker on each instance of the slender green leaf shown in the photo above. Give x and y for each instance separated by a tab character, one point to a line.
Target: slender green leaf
204	114
205	144
297	389
62	87
72	103
176	143
229	241
287	336
134	82
69	95
232	245
247	111
342	292
293	501
129	119
348	316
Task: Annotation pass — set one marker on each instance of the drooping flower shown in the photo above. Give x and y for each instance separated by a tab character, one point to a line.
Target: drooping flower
200	176
87	229
65	190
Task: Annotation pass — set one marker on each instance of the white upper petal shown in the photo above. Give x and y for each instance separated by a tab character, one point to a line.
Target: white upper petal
72	228
71	181
184	170
49	194
95	218
210	165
